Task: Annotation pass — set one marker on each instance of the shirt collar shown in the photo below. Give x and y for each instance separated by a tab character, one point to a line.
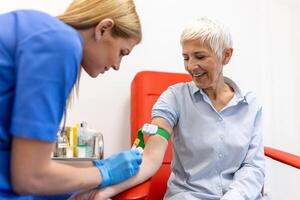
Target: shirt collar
240	95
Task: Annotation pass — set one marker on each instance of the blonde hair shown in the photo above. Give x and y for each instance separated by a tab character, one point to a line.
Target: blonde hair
84	14
211	32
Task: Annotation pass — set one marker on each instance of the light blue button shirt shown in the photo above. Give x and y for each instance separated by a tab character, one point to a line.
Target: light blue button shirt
216	155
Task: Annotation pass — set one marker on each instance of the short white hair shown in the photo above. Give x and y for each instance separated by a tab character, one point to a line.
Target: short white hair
211	32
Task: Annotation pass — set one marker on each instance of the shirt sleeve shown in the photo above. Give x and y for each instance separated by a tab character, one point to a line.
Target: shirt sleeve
249	179
166	107
46	70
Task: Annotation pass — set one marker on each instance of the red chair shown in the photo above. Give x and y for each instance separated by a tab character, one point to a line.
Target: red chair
146	87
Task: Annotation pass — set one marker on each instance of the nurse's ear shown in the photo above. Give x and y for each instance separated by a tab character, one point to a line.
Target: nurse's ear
102	27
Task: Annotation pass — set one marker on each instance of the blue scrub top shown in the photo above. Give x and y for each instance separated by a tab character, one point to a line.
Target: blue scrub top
39	61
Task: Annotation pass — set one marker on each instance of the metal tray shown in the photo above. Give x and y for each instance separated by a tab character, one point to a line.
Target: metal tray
75	159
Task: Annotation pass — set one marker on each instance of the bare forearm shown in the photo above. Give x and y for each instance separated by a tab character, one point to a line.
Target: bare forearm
152	159
147	170
58	178
33	172
78	164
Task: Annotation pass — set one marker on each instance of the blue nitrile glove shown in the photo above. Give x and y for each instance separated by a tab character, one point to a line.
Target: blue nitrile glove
118	167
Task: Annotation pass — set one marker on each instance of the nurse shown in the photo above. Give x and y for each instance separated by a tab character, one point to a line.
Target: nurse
40	61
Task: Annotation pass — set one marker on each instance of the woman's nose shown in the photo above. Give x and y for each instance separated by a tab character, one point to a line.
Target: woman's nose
190	61
116	67
192	65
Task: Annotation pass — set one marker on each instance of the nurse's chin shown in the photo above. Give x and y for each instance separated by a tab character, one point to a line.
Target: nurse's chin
95	74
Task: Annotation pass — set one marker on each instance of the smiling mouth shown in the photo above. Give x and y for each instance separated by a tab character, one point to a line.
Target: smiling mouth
197	75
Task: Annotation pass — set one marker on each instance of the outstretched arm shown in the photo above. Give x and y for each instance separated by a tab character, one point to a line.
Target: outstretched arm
165	114
153	155
33	172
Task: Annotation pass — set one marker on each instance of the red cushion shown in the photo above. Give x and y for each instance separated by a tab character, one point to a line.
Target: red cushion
283	157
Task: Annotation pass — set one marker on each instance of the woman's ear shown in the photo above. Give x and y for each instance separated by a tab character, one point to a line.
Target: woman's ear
227	53
103	26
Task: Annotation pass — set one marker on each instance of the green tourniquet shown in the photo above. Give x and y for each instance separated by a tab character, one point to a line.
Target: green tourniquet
163	133
141	138
160	132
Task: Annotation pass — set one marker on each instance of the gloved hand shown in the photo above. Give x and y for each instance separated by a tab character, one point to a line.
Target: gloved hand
118	167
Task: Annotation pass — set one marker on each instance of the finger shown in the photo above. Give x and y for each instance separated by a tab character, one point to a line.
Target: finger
98	196
135	152
93	194
89	195
136	163
138	158
131	172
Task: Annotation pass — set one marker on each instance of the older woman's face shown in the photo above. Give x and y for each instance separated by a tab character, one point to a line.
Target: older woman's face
204	66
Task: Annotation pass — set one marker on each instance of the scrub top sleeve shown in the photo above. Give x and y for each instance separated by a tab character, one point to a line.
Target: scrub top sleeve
46	69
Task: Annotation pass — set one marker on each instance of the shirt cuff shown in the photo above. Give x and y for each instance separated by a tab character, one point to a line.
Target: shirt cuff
232	195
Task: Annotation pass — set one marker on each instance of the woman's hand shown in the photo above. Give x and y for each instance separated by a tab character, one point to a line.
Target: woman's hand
118	167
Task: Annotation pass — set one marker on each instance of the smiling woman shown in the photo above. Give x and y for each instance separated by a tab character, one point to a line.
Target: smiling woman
40	57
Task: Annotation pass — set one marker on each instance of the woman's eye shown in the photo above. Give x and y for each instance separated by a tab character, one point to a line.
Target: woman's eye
200	57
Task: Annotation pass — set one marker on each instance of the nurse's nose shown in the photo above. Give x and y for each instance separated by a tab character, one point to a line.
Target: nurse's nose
116	67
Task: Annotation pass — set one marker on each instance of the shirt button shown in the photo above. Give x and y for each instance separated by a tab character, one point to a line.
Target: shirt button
216	171
220	155
221	137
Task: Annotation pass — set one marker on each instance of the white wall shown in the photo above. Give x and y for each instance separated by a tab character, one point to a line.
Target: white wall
266	37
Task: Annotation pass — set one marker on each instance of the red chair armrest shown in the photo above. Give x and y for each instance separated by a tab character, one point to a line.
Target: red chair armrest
139	192
284	157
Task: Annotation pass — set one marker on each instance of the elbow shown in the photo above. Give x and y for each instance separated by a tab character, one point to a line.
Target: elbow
25	183
153	163
156	158
19	187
